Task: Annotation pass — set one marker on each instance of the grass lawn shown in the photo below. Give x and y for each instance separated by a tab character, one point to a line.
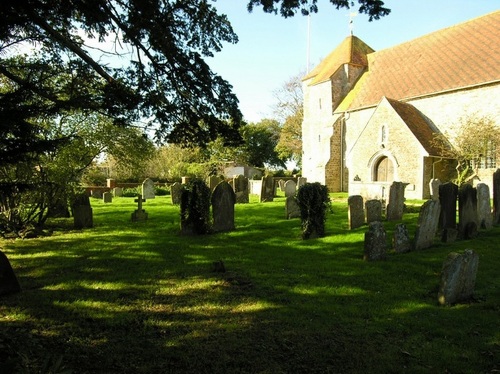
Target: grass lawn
129	297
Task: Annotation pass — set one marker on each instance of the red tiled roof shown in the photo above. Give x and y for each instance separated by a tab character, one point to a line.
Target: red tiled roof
460	56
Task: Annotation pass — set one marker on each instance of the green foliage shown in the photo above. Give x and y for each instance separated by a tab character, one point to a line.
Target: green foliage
131	192
314	203
195	207
161	191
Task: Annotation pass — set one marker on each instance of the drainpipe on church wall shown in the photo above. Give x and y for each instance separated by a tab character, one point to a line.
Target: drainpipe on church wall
433	166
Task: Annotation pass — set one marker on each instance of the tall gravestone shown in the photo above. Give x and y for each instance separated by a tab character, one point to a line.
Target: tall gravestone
267	189
292	208
484	217
356	213
375	245
8	279
496	197
290	187
434	188
107	197
458	277
241	189
395	207
401	239
448	194
148	189
82	212
223	200
281	184
176	193
373	211
467	212
428	221
301	181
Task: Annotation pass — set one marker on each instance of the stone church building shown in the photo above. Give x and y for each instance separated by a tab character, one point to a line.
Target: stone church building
371	117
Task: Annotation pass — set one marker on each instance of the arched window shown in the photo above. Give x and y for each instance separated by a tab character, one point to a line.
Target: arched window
384	170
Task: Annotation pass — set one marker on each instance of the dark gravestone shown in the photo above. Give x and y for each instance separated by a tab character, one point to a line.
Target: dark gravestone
496	197
373	211
107	197
223	200
396	205
356	213
292	208
176	193
139	214
401	239
375	246
241	189
267	189
467	212
427	224
448	193
458	277
82	212
484	217
8	280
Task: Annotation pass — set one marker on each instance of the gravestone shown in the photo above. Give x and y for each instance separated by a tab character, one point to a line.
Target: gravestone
292	208
448	193
176	193
290	187
401	239
223	200
267	189
467	212
458	277
117	192
375	245
281	184
356	213
427	225
148	189
8	279
82	212
496	197
434	188
301	181
213	181
373	211
241	189
396	205
139	214
484	217
107	197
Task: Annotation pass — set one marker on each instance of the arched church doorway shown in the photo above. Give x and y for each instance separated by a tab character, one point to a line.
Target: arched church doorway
384	170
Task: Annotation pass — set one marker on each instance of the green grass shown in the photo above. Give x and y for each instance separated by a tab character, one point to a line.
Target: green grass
128	297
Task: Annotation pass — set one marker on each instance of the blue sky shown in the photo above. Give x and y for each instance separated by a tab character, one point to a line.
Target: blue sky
272	49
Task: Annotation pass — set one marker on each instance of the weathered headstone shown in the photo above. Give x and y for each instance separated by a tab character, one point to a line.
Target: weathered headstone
292	208
427	226
148	189
176	193
467	212
281	184
434	188
213	181
375	245
223	200
117	192
241	189
267	190
496	197
458	277
301	181
8	280
395	207
484	216
373	211
107	197
290	188
401	239
448	193
82	212
139	214
356	213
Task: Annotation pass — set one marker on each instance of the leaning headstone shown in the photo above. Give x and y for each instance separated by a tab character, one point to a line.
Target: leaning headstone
290	188
8	280
213	181
301	181
496	197
107	197
434	188
467	212
139	214
267	189
395	207
292	208
176	193
427	225
241	189
356	213
117	192
448	193
82	212
484	217
373	211
148	189
375	245
401	239
458	277
223	200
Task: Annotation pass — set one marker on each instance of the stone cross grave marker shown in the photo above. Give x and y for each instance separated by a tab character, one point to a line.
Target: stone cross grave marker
148	189
467	212
428	220
139	214
223	200
356	213
458	277
484	216
373	211
375	245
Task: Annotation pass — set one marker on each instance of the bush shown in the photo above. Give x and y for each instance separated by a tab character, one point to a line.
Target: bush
195	208
313	201
131	192
162	191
